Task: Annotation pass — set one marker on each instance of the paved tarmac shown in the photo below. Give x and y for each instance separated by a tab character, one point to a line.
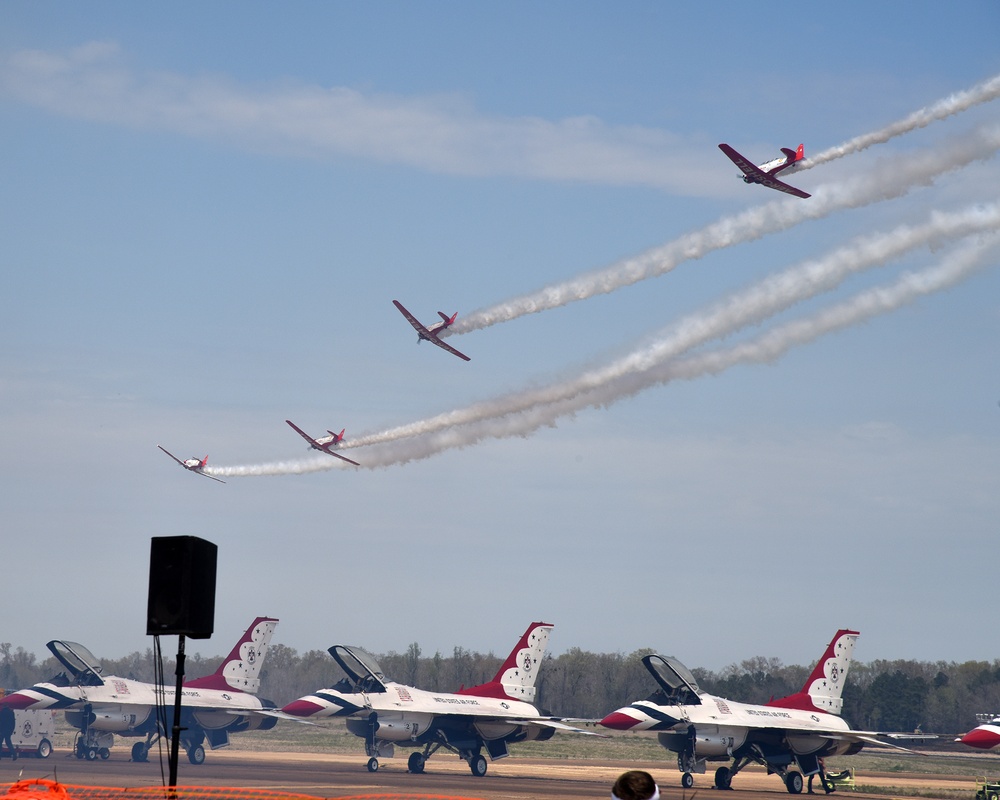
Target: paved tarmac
338	776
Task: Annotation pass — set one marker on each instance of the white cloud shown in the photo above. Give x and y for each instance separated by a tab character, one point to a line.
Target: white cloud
439	133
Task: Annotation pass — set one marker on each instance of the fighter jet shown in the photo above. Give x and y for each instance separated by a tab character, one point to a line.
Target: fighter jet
985	736
100	706
385	713
195	465
795	731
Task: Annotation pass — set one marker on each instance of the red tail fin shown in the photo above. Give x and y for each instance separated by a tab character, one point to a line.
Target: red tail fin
240	670
515	680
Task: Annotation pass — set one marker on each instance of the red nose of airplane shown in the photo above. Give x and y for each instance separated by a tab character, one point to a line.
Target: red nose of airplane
618	721
301	708
18	700
982	738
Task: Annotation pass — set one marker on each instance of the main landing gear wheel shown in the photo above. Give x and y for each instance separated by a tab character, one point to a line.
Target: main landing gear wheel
723	778
415	763
139	752
687	780
373	764
91	754
478	765
196	755
104	753
793	782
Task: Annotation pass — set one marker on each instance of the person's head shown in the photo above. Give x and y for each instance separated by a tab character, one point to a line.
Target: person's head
635	785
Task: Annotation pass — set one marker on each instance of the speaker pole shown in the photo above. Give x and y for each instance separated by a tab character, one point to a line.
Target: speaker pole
175	739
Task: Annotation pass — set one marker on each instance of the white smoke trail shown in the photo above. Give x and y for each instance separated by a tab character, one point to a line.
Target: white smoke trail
767	347
942	109
764	299
526	411
893	178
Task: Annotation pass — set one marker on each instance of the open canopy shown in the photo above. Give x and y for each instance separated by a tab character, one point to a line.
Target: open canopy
360	666
81	663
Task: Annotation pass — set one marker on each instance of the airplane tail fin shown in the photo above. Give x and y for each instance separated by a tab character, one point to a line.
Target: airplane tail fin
240	670
515	680
337	436
822	691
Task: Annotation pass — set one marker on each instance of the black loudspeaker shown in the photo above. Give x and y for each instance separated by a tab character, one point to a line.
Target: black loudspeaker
181	587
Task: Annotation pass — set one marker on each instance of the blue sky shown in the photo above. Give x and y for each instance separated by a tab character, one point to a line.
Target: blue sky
209	209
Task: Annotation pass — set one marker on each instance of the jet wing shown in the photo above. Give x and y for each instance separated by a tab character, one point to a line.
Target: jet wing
549	722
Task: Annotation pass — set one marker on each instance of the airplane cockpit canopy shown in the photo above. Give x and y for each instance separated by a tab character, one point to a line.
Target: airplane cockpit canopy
360	666
676	680
81	663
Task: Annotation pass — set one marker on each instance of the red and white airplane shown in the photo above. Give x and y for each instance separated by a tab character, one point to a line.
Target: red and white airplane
100	706
795	731
985	736
324	444
430	333
386	713
196	465
764	173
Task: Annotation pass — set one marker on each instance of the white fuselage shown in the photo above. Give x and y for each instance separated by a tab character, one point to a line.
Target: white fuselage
125	706
722	726
405	713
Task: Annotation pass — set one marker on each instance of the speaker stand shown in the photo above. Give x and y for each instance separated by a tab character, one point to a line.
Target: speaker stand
175	737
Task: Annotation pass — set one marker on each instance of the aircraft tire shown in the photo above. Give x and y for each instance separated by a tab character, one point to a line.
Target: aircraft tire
373	764
793	782
196	755
91	754
478	765
723	778
687	780
104	753
44	748
415	763
139	752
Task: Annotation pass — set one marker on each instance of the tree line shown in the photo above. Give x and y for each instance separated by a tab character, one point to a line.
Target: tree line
935	697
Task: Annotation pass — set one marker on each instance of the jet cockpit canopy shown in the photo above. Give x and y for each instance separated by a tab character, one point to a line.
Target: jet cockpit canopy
676	680
360	666
81	663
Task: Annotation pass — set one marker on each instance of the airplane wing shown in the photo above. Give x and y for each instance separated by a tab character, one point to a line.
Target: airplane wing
549	722
175	458
774	183
330	452
206	475
748	167
418	326
434	340
302	433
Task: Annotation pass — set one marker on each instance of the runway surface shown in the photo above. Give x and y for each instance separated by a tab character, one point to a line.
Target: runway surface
346	776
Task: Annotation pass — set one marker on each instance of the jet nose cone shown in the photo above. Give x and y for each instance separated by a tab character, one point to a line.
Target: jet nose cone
618	721
301	708
983	737
18	700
